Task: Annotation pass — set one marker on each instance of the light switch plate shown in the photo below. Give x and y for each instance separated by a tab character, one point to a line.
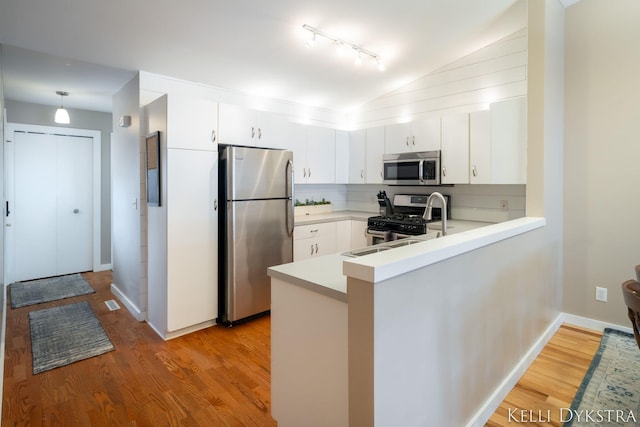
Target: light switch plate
601	294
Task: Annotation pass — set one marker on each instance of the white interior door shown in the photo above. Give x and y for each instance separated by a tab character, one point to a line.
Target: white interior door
52	213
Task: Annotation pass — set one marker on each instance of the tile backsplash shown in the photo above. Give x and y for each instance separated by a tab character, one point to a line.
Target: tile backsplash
490	203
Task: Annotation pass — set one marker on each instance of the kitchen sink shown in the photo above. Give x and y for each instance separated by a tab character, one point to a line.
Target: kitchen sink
403	242
366	251
381	247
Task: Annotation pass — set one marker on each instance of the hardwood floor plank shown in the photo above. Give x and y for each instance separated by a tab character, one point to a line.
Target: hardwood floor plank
551	381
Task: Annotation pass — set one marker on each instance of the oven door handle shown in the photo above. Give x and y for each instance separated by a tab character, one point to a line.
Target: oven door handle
375	233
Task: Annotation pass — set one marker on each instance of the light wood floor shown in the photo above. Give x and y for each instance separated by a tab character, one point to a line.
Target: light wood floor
551	382
215	377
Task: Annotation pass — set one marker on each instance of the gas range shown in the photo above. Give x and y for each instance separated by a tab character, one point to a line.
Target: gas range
400	223
406	219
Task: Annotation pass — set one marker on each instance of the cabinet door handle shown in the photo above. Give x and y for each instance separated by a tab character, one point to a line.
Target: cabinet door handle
316	248
253	132
304	171
213	135
380	174
444	171
309	172
312	249
314	231
215	204
407	141
413	140
259	133
474	171
361	173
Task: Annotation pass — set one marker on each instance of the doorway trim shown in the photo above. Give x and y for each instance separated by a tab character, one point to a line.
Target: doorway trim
11	128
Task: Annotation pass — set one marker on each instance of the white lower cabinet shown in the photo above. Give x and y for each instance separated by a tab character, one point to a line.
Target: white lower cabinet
314	240
343	235
358	234
328	238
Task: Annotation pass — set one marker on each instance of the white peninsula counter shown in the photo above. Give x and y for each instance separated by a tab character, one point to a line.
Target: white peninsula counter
324	319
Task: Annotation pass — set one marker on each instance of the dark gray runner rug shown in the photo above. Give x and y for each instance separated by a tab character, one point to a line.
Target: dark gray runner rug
610	391
65	334
45	290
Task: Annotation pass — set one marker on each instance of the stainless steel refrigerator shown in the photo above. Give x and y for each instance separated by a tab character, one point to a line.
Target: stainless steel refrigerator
256	227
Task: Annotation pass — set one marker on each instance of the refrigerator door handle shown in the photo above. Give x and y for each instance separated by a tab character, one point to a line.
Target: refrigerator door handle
290	212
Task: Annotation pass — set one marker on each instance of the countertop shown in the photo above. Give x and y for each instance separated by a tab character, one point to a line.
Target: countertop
333	216
325	274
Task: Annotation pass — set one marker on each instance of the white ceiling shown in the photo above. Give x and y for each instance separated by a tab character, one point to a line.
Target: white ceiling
90	48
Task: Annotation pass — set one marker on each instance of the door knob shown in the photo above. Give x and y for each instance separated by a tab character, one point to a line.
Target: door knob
76	211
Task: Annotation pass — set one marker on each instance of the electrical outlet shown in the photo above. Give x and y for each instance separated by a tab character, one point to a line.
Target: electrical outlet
601	294
504	205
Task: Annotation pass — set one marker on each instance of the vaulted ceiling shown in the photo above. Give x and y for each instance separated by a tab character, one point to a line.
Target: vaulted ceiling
90	48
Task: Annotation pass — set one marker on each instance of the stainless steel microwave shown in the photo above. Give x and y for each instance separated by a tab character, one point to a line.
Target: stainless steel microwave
417	168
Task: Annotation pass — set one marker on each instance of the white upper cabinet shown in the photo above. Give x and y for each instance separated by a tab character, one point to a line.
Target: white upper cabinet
375	151
193	122
421	135
243	126
509	141
480	147
366	148
425	134
321	155
314	154
397	138
237	125
357	156
454	161
342	157
498	144
274	130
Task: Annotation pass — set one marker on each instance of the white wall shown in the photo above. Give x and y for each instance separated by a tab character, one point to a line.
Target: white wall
126	201
601	167
497	71
444	339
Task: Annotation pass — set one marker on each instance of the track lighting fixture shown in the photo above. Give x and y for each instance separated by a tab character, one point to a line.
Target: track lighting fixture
62	115
341	46
312	41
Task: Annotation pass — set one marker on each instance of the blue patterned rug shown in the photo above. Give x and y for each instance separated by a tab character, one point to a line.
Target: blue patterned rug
610	391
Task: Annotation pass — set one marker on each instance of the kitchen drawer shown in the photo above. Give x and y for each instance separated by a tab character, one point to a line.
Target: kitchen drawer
325	229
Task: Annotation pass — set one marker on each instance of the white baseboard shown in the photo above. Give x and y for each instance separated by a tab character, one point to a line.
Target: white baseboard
596	325
493	402
175	334
103	267
140	316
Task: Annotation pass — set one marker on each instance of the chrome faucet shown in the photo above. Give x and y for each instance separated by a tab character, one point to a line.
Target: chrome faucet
427	210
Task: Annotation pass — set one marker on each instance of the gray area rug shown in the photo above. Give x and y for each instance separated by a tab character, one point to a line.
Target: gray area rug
65	334
45	290
610	391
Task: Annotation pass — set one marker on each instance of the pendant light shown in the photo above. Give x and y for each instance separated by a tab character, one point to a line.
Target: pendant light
62	115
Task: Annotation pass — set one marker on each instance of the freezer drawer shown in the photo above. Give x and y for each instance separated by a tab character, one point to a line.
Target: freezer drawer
256	238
